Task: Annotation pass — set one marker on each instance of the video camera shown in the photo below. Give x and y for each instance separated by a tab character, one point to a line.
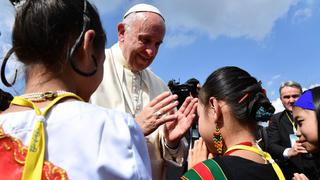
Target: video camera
189	88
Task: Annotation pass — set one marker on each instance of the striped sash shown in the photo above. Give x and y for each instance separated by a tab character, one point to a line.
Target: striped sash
206	170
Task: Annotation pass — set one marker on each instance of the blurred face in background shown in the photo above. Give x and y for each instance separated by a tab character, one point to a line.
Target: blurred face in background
289	96
307	128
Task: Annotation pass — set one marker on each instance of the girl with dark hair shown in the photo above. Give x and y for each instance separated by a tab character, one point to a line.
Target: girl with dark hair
51	132
306	112
231	102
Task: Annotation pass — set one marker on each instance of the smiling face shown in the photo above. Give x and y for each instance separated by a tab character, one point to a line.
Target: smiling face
307	128
140	39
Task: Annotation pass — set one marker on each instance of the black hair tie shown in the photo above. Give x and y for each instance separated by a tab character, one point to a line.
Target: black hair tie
87	74
260	108
77	44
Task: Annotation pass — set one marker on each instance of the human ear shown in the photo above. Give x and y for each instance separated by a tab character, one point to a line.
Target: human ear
88	39
215	108
121	30
87	51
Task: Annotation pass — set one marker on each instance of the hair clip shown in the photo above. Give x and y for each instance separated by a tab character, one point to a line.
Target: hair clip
243	98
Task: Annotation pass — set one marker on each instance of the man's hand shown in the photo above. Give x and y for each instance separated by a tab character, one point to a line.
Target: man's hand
174	130
156	112
296	149
297	176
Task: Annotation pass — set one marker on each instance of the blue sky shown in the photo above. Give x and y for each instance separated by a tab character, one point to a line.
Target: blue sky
274	40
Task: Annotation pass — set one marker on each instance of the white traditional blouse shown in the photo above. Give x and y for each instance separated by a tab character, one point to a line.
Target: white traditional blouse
86	141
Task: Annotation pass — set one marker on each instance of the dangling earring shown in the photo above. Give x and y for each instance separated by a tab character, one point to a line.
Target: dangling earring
217	141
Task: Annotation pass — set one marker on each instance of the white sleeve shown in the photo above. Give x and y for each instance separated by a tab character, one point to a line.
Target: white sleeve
123	151
285	153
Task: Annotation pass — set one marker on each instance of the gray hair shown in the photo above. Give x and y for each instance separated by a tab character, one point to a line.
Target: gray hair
131	18
290	84
134	17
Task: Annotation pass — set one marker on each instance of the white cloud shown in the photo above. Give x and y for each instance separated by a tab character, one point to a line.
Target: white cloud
270	82
105	6
314	85
213	18
304	12
6	24
179	40
246	18
302	15
277	104
6	14
273	92
276	76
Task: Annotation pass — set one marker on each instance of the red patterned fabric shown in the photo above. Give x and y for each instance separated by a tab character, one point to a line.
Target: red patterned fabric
12	160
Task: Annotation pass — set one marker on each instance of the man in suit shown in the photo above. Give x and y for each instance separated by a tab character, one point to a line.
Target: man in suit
290	155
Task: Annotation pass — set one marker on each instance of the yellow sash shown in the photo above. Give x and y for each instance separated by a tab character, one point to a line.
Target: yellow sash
35	156
265	155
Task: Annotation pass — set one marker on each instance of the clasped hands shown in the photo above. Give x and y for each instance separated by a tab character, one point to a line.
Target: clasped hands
162	110
296	149
198	153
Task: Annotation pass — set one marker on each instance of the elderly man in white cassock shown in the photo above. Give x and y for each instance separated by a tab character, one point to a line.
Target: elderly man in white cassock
128	85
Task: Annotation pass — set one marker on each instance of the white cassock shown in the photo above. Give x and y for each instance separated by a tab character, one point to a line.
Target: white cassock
87	141
126	91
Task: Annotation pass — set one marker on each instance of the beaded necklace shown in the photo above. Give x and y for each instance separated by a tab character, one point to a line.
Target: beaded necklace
44	96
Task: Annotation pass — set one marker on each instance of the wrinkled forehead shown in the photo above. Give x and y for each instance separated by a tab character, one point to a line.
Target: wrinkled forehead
149	24
149	19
